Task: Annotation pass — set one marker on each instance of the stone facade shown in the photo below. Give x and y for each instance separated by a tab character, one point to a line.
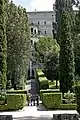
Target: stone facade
41	23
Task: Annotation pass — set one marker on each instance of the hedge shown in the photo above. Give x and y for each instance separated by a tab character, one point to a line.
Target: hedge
48	91
77	92
14	102
39	73
16	91
52	100
68	106
42	81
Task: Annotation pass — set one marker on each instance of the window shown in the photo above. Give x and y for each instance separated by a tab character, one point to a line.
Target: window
31	30
45	32
34	31
38	23
45	22
39	32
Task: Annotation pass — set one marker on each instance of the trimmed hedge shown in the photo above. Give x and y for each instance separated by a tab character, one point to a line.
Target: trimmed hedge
40	73
48	91
14	102
42	81
68	106
77	92
16	91
52	100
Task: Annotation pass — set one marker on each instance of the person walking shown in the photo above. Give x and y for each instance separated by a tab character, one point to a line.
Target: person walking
28	100
31	100
34	100
37	100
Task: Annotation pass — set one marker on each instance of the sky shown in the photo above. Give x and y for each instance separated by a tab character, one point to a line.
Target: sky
38	5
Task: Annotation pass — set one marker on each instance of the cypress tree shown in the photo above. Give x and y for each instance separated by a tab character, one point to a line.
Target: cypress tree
66	53
3	45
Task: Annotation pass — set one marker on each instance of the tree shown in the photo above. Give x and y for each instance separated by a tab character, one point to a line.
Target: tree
51	66
18	45
44	46
60	6
47	50
77	44
66	53
3	46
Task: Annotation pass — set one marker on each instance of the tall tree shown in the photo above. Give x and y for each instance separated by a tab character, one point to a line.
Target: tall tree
66	53
47	50
18	44
77	44
3	45
60	6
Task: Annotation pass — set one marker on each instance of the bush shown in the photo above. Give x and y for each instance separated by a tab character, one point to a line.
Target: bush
16	92
77	92
43	83
52	100
48	91
40	73
68	106
52	85
14	102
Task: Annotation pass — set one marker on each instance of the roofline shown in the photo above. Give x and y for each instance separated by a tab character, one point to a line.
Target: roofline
39	11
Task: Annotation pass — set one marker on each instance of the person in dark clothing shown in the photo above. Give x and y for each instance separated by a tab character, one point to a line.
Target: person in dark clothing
37	99
31	100
34	100
28	100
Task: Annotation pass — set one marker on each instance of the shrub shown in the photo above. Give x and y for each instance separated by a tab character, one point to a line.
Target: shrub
68	106
16	92
77	92
48	91
43	83
52	100
14	102
52	85
40	73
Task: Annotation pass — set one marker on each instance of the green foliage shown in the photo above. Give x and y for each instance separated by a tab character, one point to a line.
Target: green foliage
66	53
3	45
52	85
45	46
77	92
76	36
16	92
48	91
52	100
47	51
51	66
68	106
2	96
18	45
14	102
40	73
42	81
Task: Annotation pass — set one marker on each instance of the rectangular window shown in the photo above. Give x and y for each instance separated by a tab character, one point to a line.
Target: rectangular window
31	30
34	31
44	22
38	23
39	32
45	32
